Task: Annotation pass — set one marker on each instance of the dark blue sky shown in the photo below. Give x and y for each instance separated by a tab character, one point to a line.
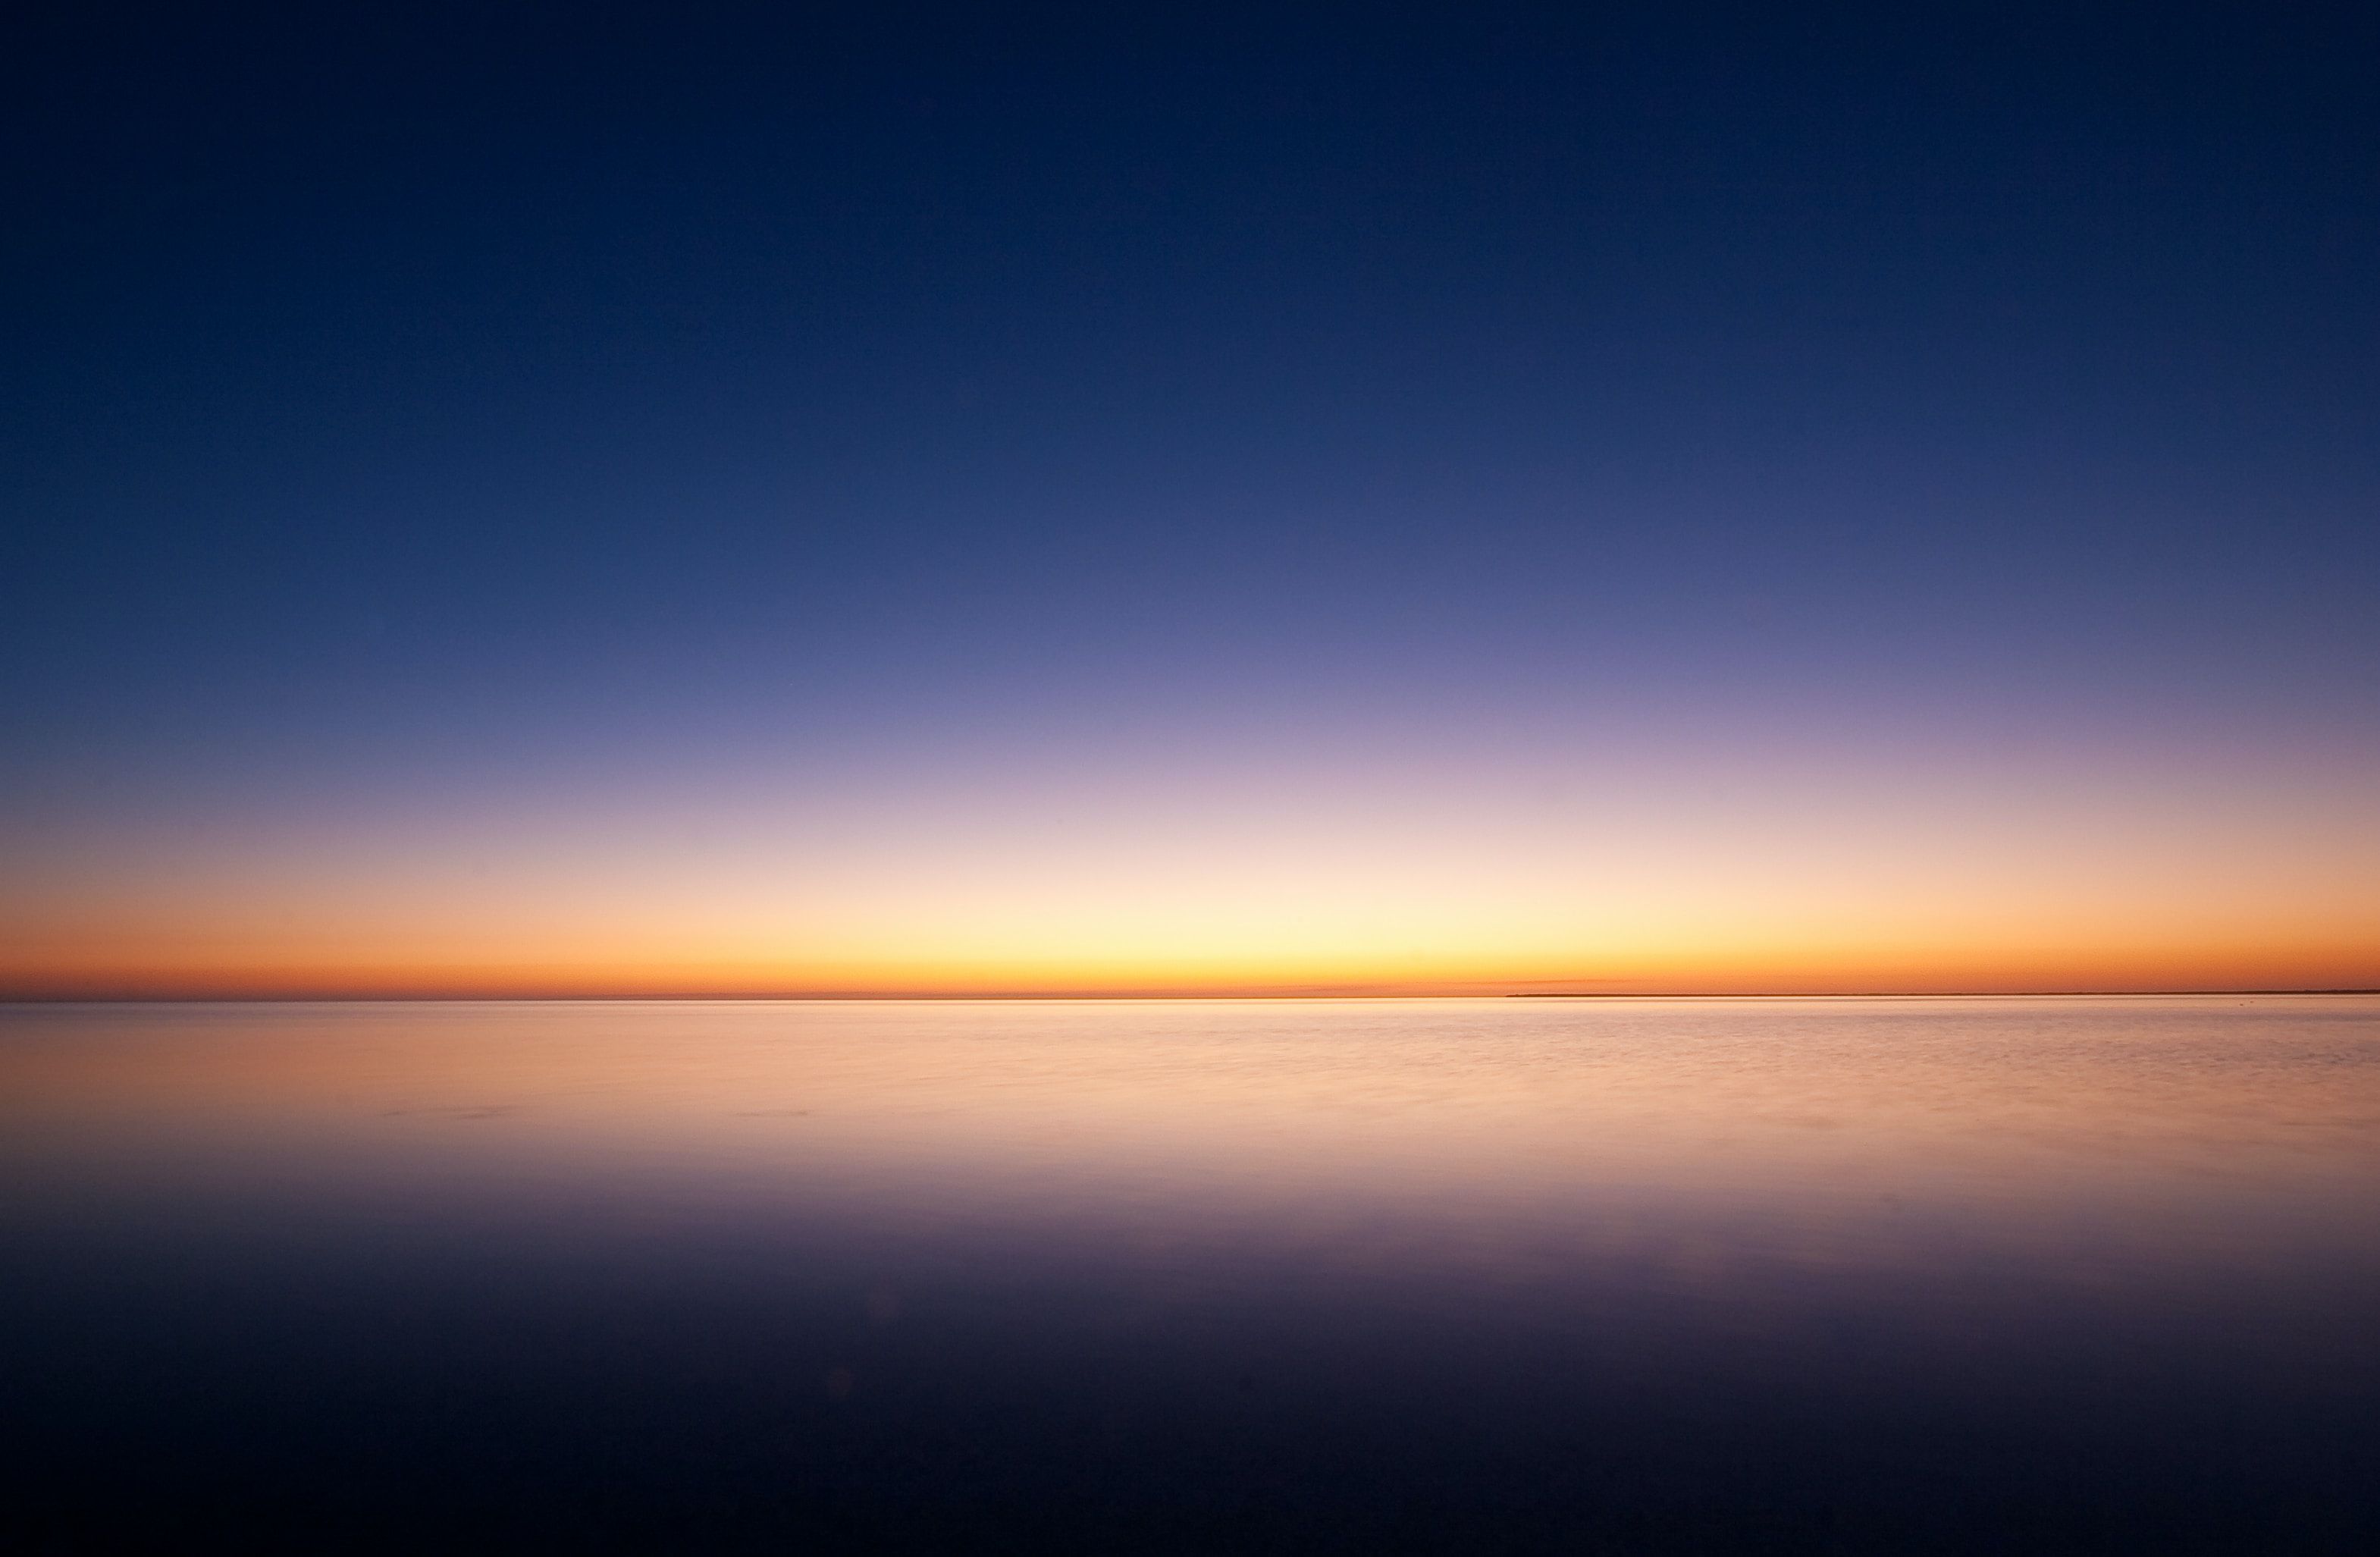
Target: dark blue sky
433	391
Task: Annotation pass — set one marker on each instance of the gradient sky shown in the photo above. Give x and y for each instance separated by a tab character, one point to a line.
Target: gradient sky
1010	500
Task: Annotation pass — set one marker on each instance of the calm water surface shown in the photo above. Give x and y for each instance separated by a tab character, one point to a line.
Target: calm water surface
1826	1275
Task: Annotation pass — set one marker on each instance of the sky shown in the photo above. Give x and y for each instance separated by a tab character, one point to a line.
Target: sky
1104	500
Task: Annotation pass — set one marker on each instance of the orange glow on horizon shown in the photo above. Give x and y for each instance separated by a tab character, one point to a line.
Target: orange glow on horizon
1254	876
1814	970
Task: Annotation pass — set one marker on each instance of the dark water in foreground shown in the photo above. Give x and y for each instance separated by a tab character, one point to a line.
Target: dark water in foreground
1851	1275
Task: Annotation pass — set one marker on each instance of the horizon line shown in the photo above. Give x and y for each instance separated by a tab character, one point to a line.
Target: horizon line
877	997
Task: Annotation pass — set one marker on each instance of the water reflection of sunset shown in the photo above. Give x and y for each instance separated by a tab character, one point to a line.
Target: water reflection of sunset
841	1241
1998	1107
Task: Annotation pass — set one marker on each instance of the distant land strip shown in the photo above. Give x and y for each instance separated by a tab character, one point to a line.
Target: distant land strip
155	997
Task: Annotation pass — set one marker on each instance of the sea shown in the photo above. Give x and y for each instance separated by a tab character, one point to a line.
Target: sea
1578	1275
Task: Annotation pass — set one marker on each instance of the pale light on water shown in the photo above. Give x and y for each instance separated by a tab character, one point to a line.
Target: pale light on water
1838	1273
